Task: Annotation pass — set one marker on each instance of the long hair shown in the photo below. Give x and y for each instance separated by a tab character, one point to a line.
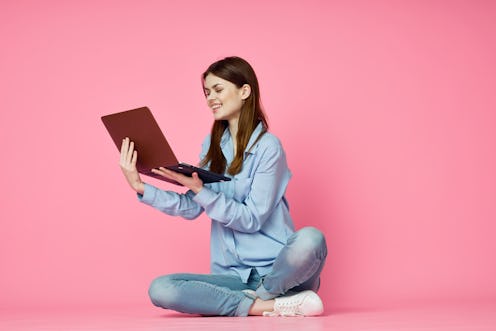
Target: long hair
239	72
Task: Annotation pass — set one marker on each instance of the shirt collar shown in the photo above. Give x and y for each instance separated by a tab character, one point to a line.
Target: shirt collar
250	148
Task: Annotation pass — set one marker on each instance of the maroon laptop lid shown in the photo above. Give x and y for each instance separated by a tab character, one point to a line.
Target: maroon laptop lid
140	126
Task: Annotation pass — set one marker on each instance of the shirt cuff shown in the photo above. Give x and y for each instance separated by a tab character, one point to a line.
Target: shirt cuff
148	195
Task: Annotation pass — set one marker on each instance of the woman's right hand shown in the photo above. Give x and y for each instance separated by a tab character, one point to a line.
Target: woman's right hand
127	162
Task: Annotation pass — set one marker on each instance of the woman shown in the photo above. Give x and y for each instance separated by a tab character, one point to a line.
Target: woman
259	264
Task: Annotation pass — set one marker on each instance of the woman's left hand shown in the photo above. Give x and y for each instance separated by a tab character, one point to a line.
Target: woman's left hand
194	183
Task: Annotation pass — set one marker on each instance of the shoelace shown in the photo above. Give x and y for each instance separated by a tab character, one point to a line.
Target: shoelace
286	308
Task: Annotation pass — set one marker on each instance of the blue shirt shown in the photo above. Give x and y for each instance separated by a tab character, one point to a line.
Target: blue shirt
250	215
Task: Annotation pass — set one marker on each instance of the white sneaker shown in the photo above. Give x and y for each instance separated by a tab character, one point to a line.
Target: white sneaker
306	303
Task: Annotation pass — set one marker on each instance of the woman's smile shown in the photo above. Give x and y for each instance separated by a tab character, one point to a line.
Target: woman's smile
223	97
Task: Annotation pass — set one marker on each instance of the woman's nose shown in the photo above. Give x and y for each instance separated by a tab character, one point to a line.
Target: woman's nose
210	96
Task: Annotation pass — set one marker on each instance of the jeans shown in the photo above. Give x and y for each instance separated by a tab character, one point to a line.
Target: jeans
296	268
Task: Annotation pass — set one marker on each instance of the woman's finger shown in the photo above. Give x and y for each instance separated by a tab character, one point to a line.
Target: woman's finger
159	171
165	173
124	148
130	152
170	173
134	159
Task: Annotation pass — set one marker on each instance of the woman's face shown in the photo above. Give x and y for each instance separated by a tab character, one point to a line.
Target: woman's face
223	97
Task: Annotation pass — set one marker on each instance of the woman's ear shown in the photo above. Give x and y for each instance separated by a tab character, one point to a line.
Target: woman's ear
245	91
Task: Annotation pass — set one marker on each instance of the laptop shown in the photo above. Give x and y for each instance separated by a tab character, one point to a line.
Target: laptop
153	149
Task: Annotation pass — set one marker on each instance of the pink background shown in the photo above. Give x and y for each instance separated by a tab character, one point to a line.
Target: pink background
392	101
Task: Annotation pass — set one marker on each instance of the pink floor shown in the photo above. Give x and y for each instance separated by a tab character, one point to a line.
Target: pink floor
460	317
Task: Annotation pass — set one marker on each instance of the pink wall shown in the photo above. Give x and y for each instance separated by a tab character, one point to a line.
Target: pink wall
386	111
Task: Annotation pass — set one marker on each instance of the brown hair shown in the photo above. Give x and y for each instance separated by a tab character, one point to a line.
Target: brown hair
239	72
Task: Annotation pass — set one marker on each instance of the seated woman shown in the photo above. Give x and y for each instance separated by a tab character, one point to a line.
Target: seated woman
259	264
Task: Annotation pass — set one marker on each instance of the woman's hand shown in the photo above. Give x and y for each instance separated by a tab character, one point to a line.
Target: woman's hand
127	162
194	183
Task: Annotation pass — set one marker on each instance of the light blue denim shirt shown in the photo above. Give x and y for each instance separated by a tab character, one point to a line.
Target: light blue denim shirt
250	215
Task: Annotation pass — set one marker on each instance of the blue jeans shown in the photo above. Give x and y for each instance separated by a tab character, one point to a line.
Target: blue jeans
297	268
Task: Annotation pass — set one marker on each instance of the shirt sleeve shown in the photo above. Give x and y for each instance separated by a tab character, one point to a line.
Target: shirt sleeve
171	203
268	187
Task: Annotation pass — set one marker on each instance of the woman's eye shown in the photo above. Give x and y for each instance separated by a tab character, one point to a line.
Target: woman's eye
218	91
